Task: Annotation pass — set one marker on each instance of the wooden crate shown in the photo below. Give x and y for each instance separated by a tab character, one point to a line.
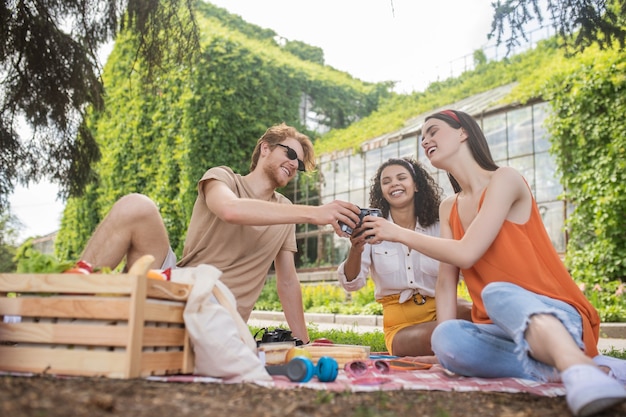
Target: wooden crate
113	325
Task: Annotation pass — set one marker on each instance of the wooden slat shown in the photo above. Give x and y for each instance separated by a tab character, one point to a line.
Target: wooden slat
135	323
163	336
65	334
189	358
105	308
162	311
62	361
161	363
66	283
167	290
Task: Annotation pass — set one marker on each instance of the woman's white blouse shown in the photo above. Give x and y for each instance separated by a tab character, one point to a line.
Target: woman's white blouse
395	269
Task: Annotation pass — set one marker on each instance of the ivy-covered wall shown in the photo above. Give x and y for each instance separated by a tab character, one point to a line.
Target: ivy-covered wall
158	138
588	131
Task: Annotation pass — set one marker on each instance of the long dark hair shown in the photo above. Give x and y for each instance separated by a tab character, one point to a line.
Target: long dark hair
475	138
425	201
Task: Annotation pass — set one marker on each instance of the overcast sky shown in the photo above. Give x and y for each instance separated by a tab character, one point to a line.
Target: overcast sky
412	42
408	41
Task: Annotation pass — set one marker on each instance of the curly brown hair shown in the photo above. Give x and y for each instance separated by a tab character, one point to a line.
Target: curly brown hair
425	201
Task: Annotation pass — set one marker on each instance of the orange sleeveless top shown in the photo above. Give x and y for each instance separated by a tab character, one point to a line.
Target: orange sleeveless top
524	255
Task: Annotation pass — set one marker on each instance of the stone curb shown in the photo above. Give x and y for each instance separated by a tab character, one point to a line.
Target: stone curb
613	330
607	330
343	319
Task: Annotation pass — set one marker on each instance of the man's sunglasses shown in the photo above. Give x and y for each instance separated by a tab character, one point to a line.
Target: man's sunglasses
291	154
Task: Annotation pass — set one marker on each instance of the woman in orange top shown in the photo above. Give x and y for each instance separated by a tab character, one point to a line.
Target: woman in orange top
530	320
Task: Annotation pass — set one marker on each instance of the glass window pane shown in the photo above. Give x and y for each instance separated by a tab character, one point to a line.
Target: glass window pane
552	215
390	151
540	113
548	186
407	147
307	252
425	162
357	172
525	166
305	187
520	131
342	196
372	162
341	247
342	175
358	197
494	128
327	177
444	182
327	199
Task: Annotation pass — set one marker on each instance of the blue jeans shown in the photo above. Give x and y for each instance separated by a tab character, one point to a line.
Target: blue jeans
500	350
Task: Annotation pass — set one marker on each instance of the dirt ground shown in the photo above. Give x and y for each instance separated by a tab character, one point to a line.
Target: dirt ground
48	396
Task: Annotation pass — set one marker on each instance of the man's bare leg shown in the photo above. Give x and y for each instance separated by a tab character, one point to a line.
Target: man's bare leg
131	229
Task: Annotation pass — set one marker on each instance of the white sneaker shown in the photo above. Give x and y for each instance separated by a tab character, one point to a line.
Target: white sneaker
589	390
617	366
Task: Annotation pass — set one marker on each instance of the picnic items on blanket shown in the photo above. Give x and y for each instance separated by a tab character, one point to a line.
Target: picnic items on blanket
370	372
276	336
301	369
341	353
408	365
376	371
274	353
222	343
274	346
360	368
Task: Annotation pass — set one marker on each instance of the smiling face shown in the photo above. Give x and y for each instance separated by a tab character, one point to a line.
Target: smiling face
397	185
439	140
277	164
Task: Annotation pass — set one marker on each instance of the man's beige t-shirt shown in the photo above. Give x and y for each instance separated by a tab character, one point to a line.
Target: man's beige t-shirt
244	254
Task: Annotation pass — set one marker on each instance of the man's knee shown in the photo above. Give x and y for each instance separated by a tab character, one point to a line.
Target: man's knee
134	199
136	205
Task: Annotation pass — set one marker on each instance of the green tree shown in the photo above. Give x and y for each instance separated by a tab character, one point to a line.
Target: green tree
579	23
50	74
9	228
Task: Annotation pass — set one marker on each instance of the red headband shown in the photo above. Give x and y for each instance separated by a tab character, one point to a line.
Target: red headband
451	114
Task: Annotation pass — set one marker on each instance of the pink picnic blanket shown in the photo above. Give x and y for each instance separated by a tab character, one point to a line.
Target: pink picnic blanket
434	379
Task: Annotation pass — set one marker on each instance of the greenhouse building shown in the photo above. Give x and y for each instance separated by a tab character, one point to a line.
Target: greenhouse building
516	136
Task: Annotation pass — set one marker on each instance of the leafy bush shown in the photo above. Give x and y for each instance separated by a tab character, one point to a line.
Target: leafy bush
324	297
608	299
330	298
29	260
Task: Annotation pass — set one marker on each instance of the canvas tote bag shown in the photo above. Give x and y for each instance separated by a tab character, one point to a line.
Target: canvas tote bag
222	343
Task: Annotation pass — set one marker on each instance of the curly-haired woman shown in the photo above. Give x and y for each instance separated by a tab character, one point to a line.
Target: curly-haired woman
404	278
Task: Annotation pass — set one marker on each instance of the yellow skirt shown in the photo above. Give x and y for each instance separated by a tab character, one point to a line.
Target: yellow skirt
397	316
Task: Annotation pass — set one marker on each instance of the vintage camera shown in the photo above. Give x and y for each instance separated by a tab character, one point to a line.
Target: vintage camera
275	336
364	212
